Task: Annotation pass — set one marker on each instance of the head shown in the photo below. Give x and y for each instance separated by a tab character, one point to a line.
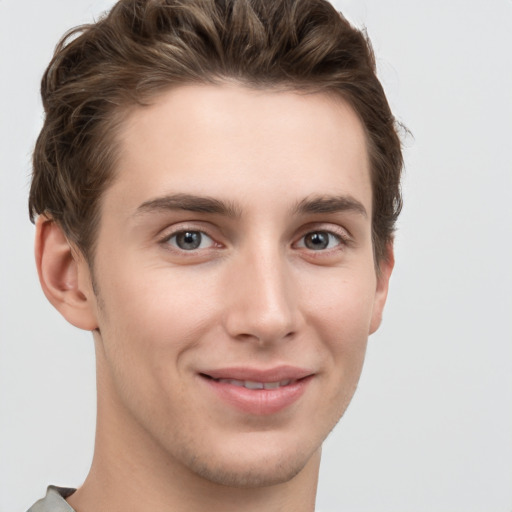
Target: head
218	183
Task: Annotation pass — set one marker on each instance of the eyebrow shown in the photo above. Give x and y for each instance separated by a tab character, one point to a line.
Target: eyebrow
191	203
205	204
330	204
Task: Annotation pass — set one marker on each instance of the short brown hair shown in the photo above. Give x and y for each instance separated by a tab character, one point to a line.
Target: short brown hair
143	47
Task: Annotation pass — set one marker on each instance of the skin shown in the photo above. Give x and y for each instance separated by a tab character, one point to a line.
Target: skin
257	292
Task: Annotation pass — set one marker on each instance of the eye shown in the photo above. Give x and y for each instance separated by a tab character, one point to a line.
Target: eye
320	240
189	240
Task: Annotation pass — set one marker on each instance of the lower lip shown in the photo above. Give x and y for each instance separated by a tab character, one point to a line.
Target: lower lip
259	401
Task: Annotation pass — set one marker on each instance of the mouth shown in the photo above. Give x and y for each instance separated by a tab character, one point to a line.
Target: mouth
258	392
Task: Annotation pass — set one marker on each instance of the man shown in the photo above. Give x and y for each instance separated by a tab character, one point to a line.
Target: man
215	185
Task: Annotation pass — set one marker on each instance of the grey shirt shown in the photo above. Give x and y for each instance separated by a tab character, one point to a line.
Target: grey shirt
54	501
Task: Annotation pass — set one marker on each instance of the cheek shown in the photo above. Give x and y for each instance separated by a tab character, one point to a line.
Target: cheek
150	322
155	311
342	311
341	315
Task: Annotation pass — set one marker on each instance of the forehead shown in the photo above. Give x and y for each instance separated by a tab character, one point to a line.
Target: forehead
229	141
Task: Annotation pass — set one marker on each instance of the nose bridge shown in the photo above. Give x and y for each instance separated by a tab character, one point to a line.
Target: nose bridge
262	303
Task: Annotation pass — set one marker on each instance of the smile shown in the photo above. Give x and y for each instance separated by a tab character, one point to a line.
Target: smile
260	392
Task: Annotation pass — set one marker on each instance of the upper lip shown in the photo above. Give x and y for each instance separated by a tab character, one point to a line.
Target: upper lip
245	373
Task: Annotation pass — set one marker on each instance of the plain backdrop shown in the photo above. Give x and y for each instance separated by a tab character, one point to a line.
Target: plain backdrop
430	427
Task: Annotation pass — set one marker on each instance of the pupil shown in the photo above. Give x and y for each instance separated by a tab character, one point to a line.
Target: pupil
188	240
317	241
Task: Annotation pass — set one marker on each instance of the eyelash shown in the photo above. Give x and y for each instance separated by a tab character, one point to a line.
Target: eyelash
340	238
184	232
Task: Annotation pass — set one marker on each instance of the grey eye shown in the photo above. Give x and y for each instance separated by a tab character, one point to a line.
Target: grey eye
316	241
319	240
190	240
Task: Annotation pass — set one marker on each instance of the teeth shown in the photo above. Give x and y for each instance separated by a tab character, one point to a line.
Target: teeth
250	384
233	381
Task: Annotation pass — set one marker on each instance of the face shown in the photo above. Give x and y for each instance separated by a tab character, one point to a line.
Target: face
235	280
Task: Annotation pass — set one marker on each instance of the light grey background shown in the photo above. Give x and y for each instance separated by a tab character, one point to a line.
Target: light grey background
430	428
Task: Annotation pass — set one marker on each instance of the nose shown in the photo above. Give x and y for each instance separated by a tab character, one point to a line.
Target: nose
261	304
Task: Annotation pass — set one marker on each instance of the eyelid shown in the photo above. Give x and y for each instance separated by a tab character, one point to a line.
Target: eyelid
203	236
339	232
174	230
302	244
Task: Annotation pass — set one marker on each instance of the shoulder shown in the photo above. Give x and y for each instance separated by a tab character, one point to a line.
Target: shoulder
54	501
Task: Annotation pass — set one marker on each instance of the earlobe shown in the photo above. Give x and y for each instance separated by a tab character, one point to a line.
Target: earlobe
381	292
64	275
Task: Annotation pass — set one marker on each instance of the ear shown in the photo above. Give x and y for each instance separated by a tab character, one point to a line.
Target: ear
381	291
64	275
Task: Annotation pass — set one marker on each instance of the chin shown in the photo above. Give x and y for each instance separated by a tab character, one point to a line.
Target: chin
253	468
246	475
